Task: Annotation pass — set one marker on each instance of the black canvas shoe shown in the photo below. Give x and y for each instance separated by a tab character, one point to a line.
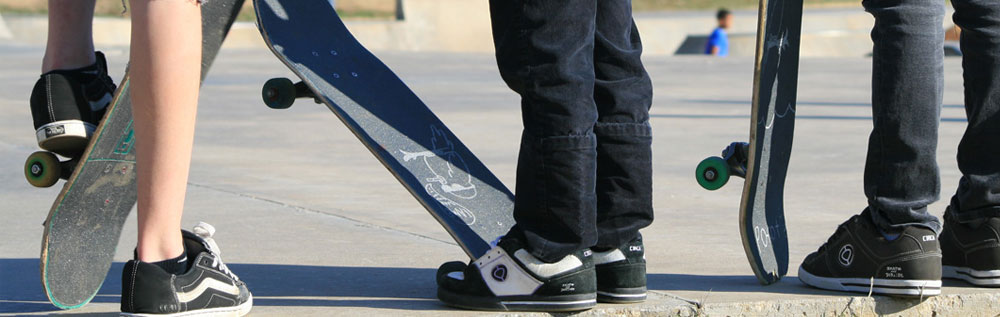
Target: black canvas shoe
508	278
970	253
67	106
208	288
621	273
858	258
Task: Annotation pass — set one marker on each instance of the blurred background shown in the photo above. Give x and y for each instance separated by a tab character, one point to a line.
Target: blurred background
831	28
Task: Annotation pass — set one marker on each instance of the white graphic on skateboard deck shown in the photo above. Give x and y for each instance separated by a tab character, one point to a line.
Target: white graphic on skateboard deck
448	181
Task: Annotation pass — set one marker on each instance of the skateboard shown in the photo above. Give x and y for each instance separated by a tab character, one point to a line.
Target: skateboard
396	126
763	162
86	219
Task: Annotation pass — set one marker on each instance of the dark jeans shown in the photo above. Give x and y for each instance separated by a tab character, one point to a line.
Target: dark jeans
901	174
584	169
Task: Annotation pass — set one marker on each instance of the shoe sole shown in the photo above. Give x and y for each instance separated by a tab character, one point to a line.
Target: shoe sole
234	311
565	303
66	137
989	278
908	288
622	295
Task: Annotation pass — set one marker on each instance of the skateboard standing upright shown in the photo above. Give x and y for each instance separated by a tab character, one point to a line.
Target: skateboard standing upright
86	219
386	116
764	160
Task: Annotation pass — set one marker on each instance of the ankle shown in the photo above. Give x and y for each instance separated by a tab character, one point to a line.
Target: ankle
150	257
176	265
157	251
67	62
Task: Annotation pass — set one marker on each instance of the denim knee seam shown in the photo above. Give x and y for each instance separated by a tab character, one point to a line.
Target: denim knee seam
642	129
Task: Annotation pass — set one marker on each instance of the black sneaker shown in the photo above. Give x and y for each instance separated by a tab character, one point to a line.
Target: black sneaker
67	106
508	278
971	253
208	288
621	273
858	258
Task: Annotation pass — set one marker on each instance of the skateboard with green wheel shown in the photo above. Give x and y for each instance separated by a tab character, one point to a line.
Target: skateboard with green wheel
763	162
86	219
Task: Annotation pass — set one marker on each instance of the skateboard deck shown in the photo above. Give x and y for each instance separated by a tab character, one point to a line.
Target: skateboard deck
413	144
86	219
764	161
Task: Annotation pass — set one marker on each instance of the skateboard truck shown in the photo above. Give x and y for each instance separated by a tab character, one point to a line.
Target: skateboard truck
713	172
43	169
280	93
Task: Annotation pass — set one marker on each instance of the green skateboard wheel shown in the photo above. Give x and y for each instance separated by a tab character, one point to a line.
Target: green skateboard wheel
278	93
712	173
41	169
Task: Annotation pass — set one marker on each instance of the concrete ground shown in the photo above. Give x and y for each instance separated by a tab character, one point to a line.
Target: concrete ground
316	226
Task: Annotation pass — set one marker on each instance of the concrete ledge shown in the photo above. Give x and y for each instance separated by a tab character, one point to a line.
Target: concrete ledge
813	44
663	304
32	29
945	305
448	25
4	32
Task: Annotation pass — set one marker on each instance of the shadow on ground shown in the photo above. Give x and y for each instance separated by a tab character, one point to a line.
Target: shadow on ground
374	287
271	284
729	284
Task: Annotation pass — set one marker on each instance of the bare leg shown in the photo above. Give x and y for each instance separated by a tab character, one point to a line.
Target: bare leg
70	42
165	70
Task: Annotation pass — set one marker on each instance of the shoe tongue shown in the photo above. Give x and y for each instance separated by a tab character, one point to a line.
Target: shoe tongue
194	244
205	232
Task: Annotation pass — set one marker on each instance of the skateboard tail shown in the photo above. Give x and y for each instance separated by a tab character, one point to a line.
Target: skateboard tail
767	250
48	235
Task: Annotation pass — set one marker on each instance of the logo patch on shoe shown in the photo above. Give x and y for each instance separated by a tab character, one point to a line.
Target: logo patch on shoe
894	272
504	276
846	255
568	287
500	273
54	131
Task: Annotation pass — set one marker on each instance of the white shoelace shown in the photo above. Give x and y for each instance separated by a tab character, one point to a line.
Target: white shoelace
216	263
206	231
